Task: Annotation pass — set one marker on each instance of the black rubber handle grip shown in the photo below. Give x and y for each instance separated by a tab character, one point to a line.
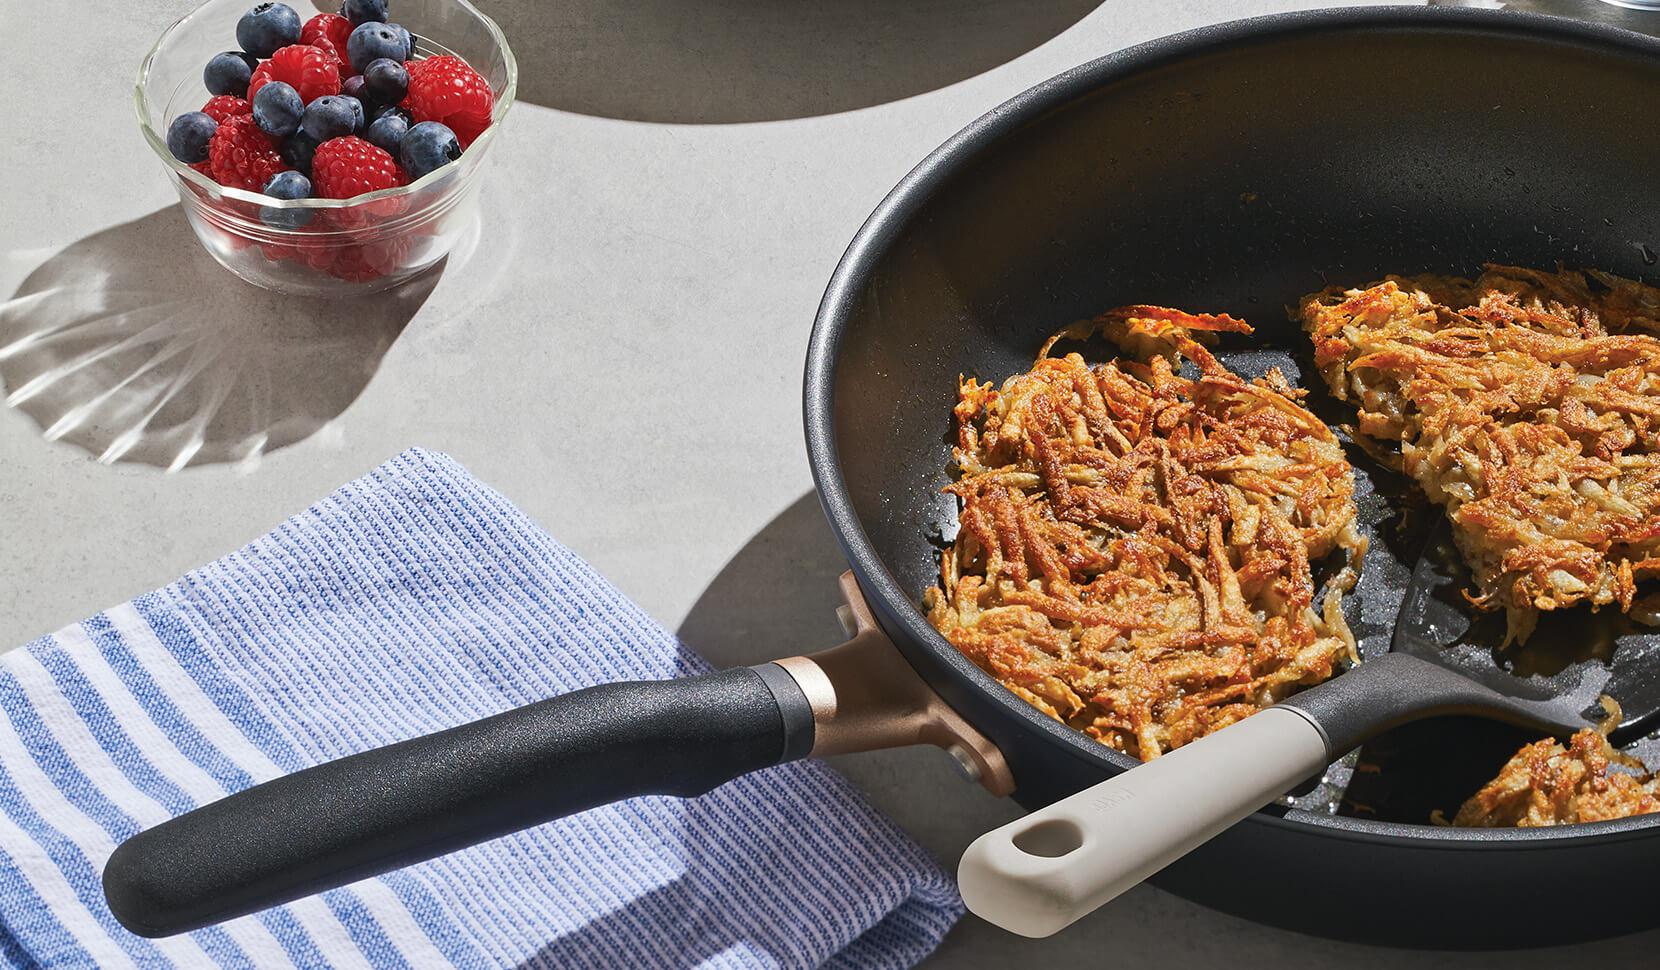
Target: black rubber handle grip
394	806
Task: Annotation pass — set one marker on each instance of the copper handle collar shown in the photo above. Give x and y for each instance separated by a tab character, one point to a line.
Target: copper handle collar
865	696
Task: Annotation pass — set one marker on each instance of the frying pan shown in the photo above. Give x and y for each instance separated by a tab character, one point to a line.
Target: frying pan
1229	169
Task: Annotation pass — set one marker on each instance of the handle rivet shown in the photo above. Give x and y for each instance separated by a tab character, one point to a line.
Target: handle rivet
966	765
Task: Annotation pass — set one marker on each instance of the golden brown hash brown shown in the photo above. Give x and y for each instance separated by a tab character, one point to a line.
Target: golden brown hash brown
1133	557
1526	403
1548	784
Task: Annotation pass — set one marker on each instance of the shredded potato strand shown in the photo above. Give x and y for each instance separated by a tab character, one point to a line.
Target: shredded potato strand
1546	783
1135	544
1525	403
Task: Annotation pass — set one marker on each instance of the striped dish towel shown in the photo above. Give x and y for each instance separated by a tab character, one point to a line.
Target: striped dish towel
411	600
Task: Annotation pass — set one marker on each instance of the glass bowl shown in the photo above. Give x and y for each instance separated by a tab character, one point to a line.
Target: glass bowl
345	246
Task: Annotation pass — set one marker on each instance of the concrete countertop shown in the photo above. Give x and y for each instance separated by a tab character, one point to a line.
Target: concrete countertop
620	352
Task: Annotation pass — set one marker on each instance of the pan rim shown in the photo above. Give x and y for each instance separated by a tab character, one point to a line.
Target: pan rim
916	189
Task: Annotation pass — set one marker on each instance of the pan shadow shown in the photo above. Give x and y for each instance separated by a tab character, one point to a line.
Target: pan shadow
724	61
684	828
590	946
696	846
135	346
777	596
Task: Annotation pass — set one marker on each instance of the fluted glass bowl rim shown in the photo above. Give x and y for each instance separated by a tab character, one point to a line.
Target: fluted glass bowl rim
212	190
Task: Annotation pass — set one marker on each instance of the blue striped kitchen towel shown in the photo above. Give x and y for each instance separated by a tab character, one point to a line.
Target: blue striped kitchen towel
411	600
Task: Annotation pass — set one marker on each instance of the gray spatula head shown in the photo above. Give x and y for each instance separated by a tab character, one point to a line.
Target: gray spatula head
1573	657
1447	658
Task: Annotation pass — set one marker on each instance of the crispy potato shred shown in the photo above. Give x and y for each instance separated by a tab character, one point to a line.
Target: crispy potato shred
1135	542
1527	404
1546	783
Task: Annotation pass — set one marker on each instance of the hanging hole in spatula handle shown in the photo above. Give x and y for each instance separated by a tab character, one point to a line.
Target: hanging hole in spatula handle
350	819
1036	875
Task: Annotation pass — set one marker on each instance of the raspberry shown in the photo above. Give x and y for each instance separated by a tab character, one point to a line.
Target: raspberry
329	31
369	261
277	252
349	166
312	71
301	247
224	107
357	262
445	89
339	58
261	76
242	156
365	220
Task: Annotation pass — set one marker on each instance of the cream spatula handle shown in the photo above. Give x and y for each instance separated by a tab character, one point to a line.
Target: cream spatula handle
1036	875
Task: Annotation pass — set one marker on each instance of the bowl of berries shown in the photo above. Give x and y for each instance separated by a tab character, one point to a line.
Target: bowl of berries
327	152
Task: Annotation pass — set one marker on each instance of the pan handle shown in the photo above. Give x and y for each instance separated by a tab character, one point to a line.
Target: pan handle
395	806
362	815
1038	874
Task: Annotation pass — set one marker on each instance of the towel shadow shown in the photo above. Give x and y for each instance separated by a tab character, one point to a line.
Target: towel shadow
722	61
133	345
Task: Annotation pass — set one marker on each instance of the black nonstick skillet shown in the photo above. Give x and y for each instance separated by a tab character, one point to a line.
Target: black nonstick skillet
1230	169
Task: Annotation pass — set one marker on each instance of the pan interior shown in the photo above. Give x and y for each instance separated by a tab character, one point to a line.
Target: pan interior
1235	176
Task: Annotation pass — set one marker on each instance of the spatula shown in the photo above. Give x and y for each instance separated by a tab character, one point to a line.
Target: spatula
1038	874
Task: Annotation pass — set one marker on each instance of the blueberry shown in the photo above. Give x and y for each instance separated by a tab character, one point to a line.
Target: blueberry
352	87
278	109
228	73
372	41
298	149
428	146
408	41
188	135
387	131
330	116
288	186
378	111
359	118
386	79
364	11
267	27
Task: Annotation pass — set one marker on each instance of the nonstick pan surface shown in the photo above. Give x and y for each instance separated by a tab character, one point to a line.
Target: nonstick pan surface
1234	169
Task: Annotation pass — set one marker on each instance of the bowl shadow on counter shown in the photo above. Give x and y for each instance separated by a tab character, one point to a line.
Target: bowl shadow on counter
135	346
723	61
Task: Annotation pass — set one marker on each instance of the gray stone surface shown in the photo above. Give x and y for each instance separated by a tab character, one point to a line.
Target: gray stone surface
619	353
